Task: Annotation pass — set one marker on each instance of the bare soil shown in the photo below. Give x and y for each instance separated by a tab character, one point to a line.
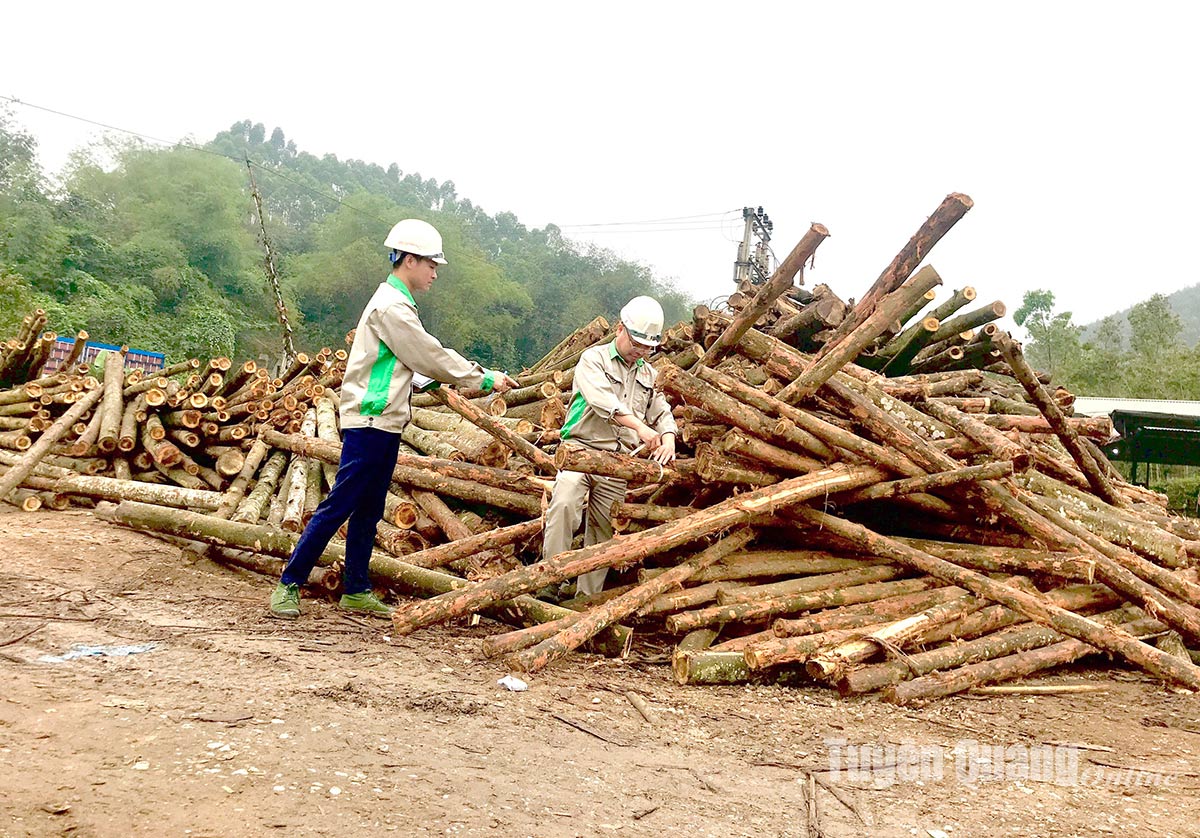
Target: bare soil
236	725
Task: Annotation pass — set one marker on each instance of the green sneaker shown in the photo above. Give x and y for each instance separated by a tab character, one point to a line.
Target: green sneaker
366	604
285	602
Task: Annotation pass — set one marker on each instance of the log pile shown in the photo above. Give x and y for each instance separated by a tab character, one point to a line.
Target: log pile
882	497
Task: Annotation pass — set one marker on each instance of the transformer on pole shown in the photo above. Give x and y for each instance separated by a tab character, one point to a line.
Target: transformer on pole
753	263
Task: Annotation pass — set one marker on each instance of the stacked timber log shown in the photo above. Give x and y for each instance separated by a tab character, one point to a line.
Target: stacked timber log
882	497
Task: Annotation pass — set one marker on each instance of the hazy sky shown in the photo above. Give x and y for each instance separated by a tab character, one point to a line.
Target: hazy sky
1066	122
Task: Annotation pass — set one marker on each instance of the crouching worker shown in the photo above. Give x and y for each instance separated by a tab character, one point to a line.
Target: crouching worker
390	344
614	407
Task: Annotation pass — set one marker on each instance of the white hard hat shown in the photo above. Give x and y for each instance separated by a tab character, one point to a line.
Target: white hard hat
420	238
643	320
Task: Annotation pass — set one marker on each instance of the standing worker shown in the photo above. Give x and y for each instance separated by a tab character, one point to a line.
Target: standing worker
390	344
614	407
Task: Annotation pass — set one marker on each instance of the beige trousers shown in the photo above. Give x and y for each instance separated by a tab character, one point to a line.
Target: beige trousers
573	491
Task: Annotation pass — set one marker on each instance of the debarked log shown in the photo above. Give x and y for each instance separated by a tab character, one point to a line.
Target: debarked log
774	651
741	444
769	406
953	207
688	597
713	467
933	385
465	548
111	406
573	343
1065	565
622	513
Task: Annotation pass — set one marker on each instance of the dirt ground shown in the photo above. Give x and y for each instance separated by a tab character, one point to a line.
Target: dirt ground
231	724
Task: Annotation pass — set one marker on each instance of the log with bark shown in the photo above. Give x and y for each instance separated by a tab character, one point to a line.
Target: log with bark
938	476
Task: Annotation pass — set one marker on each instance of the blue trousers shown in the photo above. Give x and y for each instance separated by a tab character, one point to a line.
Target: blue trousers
358	494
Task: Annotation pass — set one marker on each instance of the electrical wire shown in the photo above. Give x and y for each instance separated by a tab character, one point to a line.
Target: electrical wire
702	222
104	125
728	230
714	229
194	147
709	215
715	224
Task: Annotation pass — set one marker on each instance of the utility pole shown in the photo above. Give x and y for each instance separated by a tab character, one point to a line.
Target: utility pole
289	348
754	266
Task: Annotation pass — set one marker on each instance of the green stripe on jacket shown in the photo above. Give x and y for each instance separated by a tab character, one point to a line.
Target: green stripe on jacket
375	400
574	414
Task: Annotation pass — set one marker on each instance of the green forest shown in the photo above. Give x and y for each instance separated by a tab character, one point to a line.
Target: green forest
159	248
1140	355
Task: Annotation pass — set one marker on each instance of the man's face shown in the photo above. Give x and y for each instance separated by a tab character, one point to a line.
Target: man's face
630	350
423	273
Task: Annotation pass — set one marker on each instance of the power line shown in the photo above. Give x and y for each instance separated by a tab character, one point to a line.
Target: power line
674	224
709	215
713	216
636	228
193	147
108	127
317	192
688	229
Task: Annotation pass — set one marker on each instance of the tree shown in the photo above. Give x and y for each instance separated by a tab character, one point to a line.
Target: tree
31	238
1154	328
156	248
1159	365
1101	367
18	157
1055	338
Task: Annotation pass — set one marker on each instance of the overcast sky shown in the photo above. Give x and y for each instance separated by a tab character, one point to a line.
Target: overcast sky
1066	122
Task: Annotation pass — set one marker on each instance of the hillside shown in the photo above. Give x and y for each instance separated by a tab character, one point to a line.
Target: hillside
1185	303
160	248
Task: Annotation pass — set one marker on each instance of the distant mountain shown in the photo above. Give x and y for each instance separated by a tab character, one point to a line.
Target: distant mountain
1185	303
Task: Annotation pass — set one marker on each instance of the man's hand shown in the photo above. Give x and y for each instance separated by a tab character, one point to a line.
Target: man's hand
503	383
649	437
664	454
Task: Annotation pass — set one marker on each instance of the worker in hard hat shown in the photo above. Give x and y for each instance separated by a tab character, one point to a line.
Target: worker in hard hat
390	346
614	407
